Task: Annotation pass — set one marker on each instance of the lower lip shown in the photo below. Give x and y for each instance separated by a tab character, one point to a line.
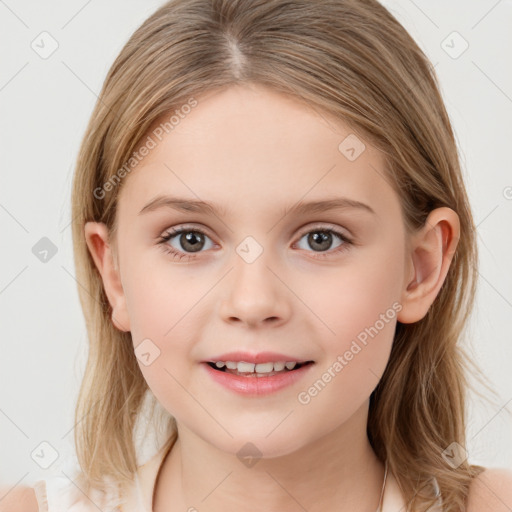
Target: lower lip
257	386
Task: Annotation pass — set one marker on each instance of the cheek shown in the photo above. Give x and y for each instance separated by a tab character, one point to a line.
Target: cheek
159	295
358	303
159	327
162	302
360	309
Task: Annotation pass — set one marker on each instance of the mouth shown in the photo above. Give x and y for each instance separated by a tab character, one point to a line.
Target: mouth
249	370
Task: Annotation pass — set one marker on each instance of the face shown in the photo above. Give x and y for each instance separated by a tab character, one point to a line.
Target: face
258	274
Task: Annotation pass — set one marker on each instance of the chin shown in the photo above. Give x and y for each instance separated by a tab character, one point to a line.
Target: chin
258	444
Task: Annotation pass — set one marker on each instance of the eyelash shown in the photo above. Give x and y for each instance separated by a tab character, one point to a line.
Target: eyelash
179	255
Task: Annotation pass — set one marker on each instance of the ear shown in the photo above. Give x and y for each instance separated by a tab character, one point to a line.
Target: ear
431	251
97	238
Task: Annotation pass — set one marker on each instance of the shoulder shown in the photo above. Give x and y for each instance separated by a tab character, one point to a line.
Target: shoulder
19	499
491	491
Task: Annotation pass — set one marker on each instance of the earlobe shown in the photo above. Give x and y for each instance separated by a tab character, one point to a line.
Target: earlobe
432	250
97	239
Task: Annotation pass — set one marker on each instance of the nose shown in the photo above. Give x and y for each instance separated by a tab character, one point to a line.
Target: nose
255	295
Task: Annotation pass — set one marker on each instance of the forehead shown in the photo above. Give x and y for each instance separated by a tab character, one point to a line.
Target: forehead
249	148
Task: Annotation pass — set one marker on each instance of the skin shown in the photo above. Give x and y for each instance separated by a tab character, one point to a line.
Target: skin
255	152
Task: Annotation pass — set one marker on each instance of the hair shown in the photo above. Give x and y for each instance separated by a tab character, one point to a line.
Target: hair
350	60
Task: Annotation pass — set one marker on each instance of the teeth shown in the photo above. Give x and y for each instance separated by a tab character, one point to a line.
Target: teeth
264	368
244	367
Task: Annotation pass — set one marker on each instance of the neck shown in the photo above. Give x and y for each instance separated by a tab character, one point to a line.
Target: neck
337	472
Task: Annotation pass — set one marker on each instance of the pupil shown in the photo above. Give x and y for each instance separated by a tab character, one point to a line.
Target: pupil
192	239
321	237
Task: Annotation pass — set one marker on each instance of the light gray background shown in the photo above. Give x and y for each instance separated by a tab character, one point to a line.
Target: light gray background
45	105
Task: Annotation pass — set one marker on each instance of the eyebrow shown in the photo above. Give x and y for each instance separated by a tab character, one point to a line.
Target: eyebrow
195	206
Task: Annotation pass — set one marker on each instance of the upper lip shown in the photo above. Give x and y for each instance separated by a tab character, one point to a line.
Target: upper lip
256	358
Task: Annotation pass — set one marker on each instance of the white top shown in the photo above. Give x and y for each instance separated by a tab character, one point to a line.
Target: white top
59	494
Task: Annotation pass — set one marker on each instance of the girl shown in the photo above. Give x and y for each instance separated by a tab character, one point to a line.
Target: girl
274	244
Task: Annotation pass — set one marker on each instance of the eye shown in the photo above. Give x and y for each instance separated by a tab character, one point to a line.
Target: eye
192	240
320	238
